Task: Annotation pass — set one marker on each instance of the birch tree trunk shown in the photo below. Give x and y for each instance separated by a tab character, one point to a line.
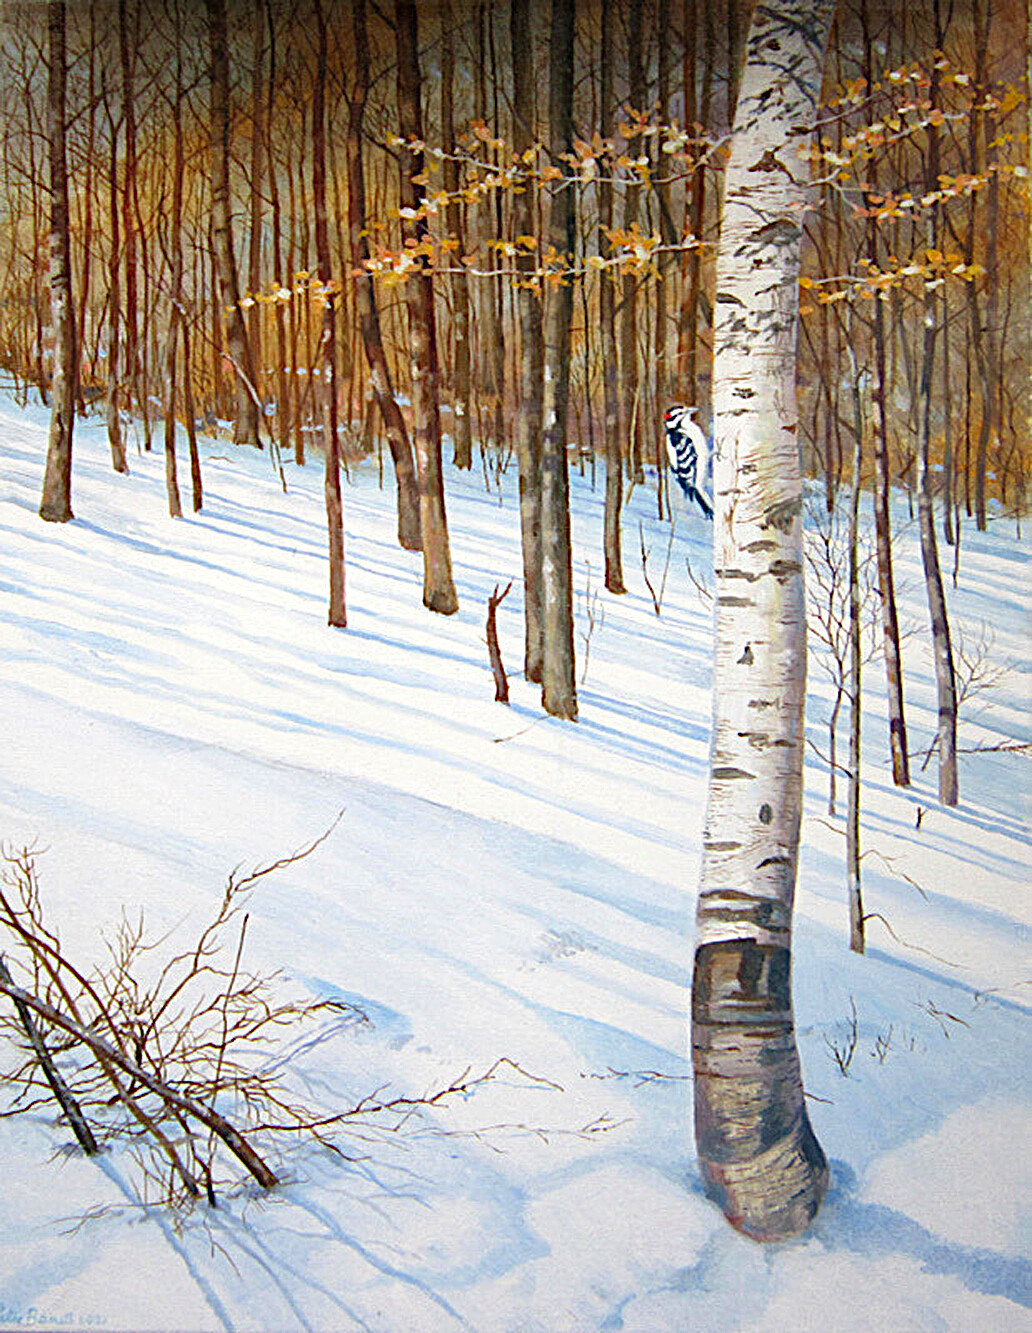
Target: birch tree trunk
759	1157
56	502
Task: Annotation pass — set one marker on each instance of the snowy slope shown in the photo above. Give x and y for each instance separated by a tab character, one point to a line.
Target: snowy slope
172	705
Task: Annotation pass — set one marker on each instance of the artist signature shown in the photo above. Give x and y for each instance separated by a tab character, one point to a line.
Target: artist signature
33	1318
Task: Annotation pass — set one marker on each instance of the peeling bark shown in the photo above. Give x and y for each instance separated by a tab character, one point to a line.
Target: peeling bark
759	1157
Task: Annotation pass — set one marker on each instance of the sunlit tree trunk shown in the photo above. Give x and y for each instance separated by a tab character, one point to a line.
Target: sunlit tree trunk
334	520
56	503
558	682
409	536
759	1157
438	586
245	430
532	351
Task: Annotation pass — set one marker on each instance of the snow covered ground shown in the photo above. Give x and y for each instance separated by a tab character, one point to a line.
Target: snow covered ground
500	885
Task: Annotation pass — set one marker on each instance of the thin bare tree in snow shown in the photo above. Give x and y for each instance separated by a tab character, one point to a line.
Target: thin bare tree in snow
56	503
438	585
245	429
759	1156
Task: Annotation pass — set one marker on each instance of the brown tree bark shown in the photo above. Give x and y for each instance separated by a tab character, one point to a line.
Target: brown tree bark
629	369
254	239
531	376
945	679
113	395
438	586
461	395
337	614
494	651
130	345
175	317
56	503
558	683
882	487
284	380
612	424
409	535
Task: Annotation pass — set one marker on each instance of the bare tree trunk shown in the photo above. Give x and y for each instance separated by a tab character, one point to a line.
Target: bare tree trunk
854	888
558	682
87	194
461	397
759	1157
175	318
56	503
130	346
629	372
196	485
245	430
337	615
660	364
532	352
614	579
254	239
409	536
284	381
882	518
494	651
113	395
438	586
945	680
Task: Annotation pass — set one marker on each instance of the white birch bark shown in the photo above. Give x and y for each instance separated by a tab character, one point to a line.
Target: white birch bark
759	1157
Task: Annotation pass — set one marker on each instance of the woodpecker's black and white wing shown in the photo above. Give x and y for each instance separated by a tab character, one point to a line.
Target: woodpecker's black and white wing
687	451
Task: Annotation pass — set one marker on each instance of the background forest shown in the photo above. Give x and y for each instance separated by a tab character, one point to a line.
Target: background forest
328	143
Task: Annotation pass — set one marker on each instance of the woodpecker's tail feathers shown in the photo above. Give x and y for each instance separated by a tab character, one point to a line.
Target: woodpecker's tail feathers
693	493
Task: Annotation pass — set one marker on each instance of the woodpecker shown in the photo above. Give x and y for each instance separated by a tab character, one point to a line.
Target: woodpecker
687	449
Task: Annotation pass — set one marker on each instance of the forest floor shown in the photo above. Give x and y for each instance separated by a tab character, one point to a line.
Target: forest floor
500	886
